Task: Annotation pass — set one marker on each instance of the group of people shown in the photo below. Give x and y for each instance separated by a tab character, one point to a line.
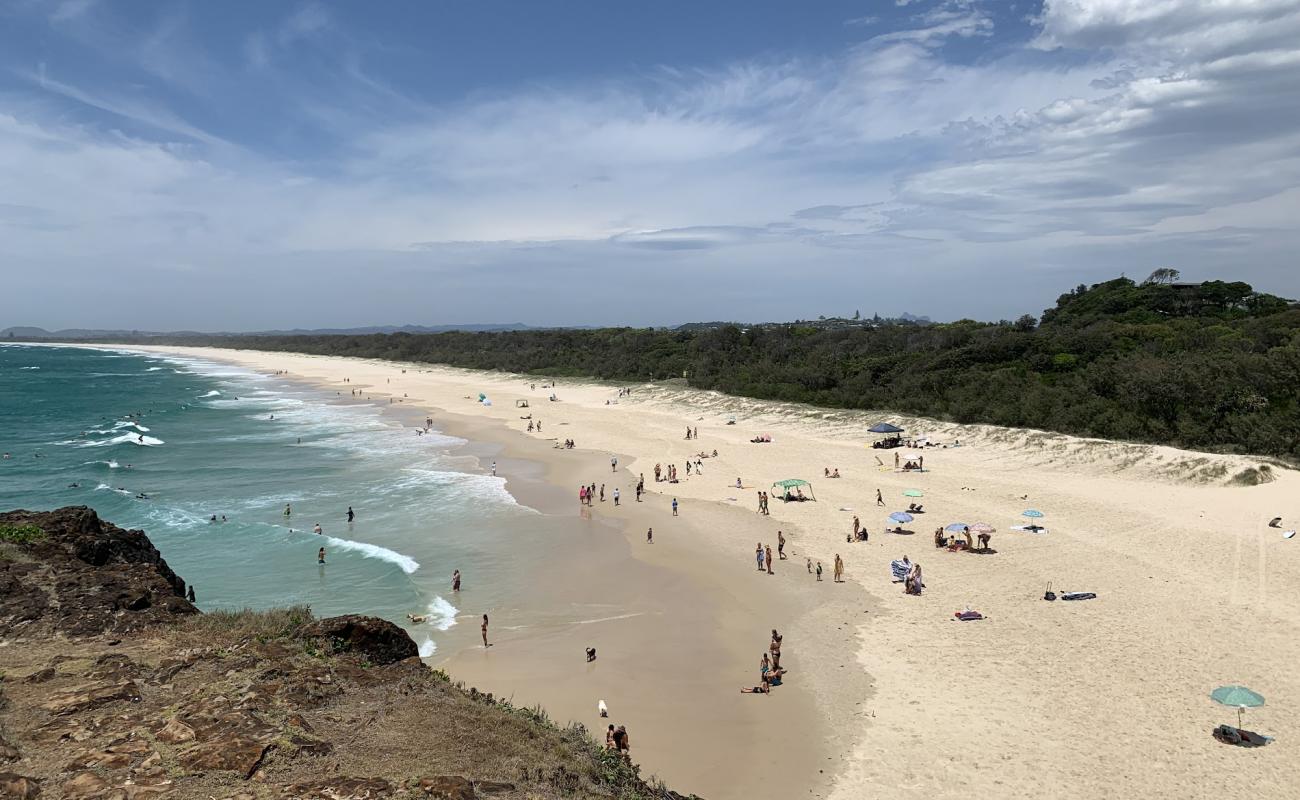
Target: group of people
828	472
771	673
568	444
692	433
941	539
859	533
531	424
669	474
910	465
762	500
763	553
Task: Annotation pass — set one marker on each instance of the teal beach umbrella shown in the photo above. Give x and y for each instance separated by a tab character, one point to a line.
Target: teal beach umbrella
914	493
1238	696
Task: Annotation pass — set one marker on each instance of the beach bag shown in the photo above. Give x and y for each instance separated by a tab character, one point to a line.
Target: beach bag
1049	594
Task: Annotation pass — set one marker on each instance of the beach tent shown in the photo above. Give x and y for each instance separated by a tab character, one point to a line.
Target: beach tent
884	427
790	484
889	435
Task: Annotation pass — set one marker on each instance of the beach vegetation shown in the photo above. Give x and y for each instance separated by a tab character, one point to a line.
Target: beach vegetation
1210	366
21	534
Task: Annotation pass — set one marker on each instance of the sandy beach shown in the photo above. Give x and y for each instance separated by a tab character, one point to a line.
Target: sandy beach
888	693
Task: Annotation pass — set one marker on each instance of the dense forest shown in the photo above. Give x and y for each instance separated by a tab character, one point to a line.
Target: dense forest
1210	366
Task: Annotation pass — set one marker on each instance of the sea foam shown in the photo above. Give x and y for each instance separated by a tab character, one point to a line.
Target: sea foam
406	563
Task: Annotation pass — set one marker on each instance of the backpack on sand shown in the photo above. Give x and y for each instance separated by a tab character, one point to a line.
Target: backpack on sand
1049	594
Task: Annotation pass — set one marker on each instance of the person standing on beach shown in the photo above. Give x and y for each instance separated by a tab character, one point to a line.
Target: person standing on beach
895	460
810	566
775	649
839	569
351	515
615	495
494	469
602	493
780	545
819	570
650	536
613	464
767	555
758	555
483	630
674	506
857	526
320	556
880	499
455	580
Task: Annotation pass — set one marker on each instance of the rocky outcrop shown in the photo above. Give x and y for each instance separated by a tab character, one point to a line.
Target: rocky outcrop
155	701
379	640
84	576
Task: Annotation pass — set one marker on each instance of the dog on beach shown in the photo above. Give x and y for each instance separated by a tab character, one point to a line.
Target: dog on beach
418	618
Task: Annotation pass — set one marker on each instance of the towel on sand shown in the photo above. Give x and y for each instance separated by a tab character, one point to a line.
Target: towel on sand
1078	596
899	569
968	615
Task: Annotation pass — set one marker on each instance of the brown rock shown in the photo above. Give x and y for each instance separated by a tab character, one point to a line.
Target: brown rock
175	732
8	752
84	785
448	787
40	676
340	789
379	640
87	697
18	787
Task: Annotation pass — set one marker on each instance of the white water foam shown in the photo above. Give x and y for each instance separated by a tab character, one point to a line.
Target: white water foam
406	563
213	393
442	615
153	369
427	647
126	438
111	464
29	368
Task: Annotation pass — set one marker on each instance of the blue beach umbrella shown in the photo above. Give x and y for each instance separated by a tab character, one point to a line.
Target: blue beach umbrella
901	516
1033	513
957	526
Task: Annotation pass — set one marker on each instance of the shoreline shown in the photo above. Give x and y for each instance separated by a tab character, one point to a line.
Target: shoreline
1193	589
675	686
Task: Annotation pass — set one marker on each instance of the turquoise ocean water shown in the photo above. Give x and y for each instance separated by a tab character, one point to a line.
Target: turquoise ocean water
164	443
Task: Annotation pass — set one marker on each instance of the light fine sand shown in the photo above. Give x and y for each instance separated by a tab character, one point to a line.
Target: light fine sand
1090	699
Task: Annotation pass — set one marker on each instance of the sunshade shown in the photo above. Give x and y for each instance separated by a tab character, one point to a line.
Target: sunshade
790	483
957	526
901	516
1237	696
982	527
1034	513
884	427
913	493
910	456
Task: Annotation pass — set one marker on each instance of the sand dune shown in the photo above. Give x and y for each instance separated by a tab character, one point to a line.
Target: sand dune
1099	698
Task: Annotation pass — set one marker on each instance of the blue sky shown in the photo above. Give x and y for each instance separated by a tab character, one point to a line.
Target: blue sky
243	165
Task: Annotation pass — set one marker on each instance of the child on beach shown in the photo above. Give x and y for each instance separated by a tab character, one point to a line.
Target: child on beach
819	570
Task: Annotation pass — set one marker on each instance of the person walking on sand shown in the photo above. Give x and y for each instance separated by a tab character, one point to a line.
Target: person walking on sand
819	570
602	493
810	566
880	499
895	460
494	469
767	555
351	514
839	569
483	629
320	556
674	506
650	536
758	555
455	580
613	464
615	495
780	545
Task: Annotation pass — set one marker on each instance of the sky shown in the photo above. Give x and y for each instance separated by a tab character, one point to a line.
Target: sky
248	165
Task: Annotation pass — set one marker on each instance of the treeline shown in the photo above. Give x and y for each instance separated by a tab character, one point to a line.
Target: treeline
1213	366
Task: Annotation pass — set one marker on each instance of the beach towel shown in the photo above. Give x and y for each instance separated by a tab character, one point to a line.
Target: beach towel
968	615
1029	528
899	569
1078	596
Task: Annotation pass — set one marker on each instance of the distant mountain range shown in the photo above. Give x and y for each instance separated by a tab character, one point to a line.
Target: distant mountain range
27	332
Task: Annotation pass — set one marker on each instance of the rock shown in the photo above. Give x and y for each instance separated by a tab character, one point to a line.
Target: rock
493	787
379	640
8	752
340	789
174	732
18	787
40	676
108	579
448	787
94	696
84	785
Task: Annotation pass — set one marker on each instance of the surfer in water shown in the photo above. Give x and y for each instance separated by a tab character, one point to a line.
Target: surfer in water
351	514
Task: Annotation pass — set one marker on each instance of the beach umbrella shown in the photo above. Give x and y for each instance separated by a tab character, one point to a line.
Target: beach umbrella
901	516
914	493
982	527
1032	513
957	526
1238	696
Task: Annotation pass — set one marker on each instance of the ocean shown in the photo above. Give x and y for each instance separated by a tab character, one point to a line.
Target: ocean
164	444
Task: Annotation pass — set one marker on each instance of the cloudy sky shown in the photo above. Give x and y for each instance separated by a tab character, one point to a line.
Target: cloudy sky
244	165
